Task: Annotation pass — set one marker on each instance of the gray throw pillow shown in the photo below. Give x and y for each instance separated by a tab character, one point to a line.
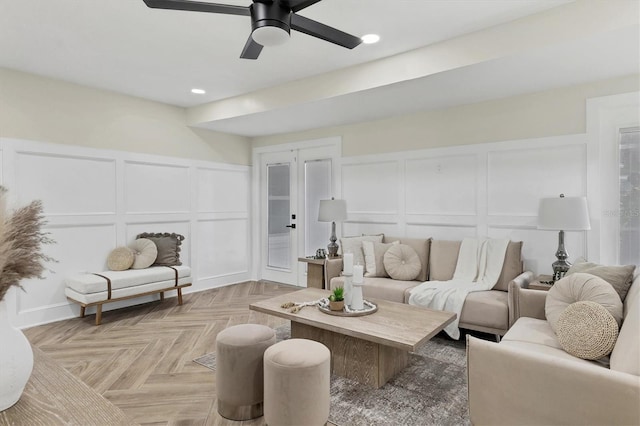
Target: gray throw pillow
168	247
620	277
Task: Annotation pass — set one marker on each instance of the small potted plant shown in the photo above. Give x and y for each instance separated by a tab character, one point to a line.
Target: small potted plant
336	300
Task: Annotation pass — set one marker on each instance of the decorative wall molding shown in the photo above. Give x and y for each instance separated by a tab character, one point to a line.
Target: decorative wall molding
96	200
484	190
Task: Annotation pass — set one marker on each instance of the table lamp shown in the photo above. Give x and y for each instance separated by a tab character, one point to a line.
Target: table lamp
563	214
332	211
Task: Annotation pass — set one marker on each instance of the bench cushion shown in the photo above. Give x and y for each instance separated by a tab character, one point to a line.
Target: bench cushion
88	283
102	296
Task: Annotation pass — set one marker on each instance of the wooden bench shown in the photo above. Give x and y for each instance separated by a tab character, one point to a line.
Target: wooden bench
96	289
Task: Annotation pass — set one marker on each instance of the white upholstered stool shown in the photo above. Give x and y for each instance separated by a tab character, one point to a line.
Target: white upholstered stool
239	370
296	383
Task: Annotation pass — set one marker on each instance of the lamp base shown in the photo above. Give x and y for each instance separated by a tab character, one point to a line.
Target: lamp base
560	266
332	248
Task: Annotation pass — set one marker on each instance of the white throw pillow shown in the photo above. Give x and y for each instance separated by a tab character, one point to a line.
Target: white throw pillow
354	245
581	287
374	258
145	252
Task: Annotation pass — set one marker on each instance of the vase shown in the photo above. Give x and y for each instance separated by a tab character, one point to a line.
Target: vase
16	360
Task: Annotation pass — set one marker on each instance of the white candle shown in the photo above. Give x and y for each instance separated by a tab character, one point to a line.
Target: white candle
358	274
347	262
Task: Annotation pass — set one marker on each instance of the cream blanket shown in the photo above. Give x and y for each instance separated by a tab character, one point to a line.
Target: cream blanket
478	269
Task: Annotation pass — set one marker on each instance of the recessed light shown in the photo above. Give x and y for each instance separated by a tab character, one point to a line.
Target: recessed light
370	38
198	91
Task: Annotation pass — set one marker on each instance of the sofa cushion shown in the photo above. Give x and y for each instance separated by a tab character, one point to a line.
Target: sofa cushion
587	330
532	330
354	245
380	288
625	356
487	309
577	287
443	259
535	348
374	258
619	277
422	246
512	266
402	262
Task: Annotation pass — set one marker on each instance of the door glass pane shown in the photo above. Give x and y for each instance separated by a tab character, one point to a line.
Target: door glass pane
278	239
630	196
317	182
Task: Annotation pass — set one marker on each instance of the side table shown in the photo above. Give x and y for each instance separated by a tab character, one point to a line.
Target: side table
542	282
315	271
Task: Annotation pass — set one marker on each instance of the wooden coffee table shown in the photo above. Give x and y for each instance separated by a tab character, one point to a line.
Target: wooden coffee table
370	349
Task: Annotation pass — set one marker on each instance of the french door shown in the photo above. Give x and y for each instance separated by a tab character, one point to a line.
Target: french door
292	183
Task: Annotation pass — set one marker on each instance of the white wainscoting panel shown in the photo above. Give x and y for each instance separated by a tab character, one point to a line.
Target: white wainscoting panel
224	251
483	190
157	188
67	185
441	232
371	187
97	200
442	185
222	191
519	178
76	249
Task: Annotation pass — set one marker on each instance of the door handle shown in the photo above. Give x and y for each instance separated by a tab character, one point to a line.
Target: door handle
292	226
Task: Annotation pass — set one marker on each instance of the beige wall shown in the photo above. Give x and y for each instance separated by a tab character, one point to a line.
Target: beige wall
550	113
47	110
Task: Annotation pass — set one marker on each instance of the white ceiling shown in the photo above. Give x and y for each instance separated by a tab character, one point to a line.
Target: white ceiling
122	45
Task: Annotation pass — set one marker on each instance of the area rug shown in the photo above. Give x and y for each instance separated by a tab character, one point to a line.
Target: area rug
432	390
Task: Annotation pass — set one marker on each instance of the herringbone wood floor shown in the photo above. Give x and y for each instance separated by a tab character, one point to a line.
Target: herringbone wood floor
141	358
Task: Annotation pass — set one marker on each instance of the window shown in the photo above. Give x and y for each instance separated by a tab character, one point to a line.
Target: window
629	214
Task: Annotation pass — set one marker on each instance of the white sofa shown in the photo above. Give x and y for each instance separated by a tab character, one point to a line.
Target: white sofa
529	379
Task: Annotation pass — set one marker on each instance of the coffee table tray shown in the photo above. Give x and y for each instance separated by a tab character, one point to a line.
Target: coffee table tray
370	308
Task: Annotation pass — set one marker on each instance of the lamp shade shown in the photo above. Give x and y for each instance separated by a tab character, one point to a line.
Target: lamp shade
332	211
563	214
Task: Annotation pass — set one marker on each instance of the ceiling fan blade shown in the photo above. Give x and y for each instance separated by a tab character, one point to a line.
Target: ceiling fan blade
296	5
324	32
198	6
251	49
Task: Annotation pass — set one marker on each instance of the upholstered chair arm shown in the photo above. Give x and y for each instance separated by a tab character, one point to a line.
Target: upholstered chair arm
524	302
332	269
511	386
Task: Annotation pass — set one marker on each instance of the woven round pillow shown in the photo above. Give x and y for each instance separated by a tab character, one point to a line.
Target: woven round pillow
402	262
145	252
120	259
587	330
577	288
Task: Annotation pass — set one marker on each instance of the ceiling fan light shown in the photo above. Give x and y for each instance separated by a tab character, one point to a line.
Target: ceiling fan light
270	36
370	38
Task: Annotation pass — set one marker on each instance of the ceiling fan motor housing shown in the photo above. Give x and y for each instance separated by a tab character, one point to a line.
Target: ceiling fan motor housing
270	15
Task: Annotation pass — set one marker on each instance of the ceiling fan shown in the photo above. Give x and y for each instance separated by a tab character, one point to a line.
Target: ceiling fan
271	21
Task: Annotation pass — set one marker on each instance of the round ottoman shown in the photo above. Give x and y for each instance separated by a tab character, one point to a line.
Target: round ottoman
296	383
239	370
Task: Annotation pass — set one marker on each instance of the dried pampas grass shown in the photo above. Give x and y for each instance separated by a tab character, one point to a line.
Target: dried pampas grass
21	241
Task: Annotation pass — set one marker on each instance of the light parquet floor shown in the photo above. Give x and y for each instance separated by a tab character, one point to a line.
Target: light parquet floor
141	357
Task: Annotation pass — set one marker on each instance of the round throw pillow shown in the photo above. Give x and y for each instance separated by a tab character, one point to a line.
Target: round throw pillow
402	262
587	330
577	288
145	252
120	259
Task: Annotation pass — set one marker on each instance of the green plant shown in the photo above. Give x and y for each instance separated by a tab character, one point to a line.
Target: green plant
338	295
